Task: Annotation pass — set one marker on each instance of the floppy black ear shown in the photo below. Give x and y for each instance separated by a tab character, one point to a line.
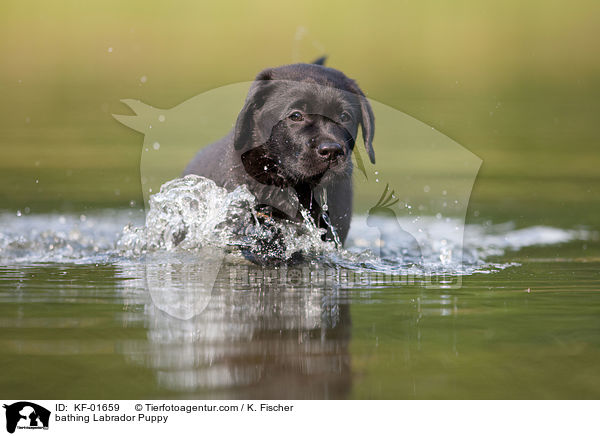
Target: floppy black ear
367	121
245	126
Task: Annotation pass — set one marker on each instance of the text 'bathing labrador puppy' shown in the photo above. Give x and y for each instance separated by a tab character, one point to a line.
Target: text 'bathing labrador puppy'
293	141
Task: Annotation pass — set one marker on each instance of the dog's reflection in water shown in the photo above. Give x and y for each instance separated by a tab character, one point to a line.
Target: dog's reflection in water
257	333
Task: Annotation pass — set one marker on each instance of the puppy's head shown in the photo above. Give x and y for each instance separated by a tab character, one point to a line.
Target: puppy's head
299	124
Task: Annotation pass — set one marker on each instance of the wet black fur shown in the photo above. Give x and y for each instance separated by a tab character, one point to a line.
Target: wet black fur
271	147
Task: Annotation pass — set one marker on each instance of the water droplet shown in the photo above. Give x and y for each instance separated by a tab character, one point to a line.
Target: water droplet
18	213
143	79
156	146
161	118
110	49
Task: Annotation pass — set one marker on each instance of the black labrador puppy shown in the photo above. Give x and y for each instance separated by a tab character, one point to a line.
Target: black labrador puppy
292	144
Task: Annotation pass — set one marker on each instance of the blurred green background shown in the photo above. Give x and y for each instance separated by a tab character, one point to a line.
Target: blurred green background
517	83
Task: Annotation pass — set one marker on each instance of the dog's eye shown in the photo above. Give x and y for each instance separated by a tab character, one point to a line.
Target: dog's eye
345	116
296	116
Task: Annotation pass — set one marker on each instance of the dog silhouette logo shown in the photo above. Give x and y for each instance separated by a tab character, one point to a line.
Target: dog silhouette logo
26	415
432	177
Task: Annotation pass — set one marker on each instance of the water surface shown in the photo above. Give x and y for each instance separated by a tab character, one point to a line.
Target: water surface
81	318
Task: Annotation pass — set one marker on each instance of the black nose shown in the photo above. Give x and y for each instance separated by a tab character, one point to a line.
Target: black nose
330	150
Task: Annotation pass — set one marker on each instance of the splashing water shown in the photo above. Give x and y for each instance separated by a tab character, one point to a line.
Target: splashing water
89	238
193	214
